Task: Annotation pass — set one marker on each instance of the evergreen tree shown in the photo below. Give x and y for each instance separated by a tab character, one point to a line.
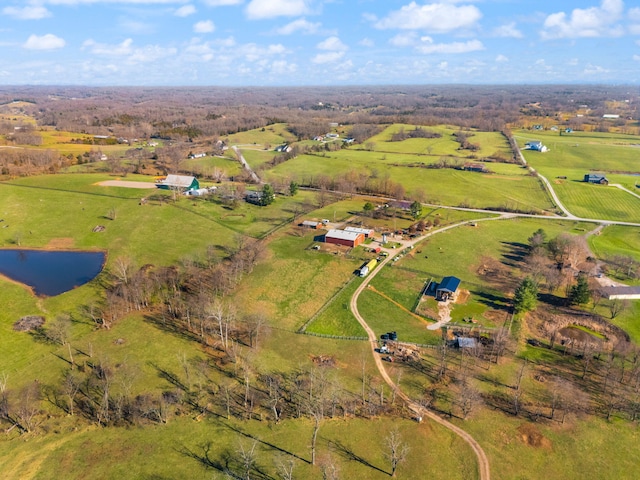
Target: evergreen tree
579	293
268	195
293	188
526	296
416	209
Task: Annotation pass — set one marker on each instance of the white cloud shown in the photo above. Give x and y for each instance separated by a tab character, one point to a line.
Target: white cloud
300	25
434	17
408	39
636	58
135	27
282	67
454	47
205	26
366	42
508	31
333	44
327	57
30	12
44	42
185	11
222	3
589	22
119	50
258	9
129	53
502	59
594	70
634	14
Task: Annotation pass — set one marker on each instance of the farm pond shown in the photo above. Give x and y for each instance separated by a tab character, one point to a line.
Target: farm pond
50	272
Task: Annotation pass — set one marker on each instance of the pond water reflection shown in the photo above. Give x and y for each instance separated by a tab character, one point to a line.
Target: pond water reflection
50	273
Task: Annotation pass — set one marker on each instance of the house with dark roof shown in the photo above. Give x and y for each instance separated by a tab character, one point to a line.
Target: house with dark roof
447	288
475	167
596	178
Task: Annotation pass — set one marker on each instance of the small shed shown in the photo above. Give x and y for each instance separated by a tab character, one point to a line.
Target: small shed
180	182
311	224
367	232
341	237
596	178
447	288
466	342
475	167
253	197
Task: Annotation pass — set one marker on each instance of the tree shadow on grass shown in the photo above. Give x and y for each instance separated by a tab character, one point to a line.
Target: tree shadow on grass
348	453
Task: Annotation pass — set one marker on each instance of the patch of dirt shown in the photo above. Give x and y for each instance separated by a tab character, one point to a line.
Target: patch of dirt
462	296
61	243
28	323
532	437
126	184
495	273
324	360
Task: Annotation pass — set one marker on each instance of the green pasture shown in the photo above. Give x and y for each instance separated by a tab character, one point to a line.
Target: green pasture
258	158
507	189
337	319
461	252
574	155
616	240
200	450
273	135
586	448
433	148
598	201
206	166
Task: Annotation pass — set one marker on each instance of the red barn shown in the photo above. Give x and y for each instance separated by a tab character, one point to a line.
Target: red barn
340	237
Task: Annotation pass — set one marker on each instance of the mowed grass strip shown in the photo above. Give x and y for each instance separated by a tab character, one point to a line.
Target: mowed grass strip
598	201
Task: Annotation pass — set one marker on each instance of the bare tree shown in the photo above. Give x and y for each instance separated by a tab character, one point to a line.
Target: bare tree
248	458
396	450
285	467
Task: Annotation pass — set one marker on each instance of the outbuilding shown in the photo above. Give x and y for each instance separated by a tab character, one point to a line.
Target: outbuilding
342	237
179	182
447	288
621	293
312	224
596	178
367	232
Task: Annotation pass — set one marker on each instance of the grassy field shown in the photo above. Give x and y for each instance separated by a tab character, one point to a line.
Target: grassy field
509	187
289	285
616	240
576	154
483	257
598	201
490	143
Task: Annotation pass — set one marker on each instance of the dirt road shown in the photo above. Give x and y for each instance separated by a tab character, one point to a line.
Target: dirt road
483	462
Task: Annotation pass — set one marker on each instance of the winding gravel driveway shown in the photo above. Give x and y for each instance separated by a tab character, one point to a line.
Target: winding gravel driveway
483	461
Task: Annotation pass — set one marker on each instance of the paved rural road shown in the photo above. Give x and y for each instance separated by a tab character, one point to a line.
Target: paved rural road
483	461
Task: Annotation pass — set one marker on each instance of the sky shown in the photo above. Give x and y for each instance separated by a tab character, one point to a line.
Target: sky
318	42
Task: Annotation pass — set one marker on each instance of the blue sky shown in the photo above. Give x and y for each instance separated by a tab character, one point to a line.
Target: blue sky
318	42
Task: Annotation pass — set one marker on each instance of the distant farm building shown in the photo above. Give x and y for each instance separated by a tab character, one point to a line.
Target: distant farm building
466	342
197	155
283	148
312	224
341	237
596	178
535	145
610	116
621	293
447	288
475	167
253	197
367	232
178	182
